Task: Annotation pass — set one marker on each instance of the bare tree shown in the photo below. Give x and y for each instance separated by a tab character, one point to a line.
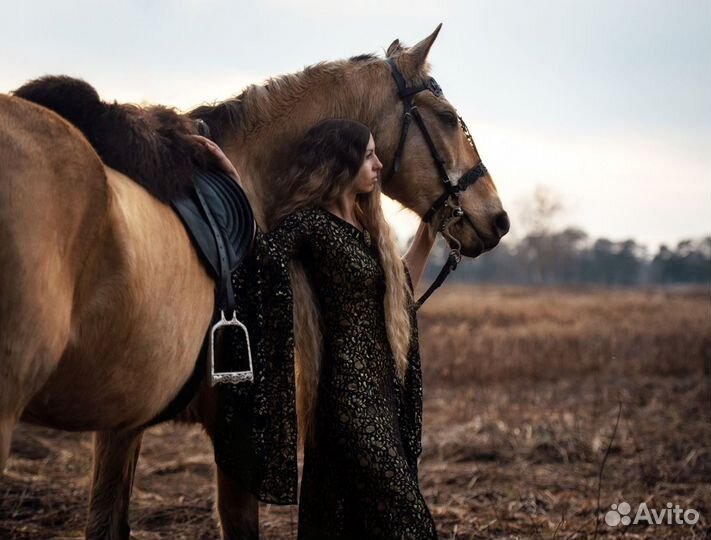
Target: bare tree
542	210
537	250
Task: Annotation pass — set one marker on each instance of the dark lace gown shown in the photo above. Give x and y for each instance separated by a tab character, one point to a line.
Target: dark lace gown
360	476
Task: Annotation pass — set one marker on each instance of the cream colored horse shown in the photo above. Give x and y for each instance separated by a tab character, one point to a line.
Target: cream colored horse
103	302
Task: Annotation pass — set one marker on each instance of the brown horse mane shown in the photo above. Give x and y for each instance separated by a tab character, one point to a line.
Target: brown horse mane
151	145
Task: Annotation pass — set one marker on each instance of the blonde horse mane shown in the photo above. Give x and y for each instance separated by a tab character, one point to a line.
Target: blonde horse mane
258	105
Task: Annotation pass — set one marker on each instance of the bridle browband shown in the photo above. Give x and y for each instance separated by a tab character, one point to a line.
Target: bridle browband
450	198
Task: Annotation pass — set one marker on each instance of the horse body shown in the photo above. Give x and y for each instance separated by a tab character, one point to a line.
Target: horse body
132	327
85	310
104	304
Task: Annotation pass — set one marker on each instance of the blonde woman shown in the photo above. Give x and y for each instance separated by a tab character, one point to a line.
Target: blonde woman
355	336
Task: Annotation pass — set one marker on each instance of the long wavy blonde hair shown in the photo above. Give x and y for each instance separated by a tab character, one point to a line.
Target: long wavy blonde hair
325	163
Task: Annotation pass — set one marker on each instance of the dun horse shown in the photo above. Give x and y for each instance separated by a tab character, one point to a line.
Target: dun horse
103	302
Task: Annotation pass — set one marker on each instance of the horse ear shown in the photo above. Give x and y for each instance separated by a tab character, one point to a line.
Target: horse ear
417	55
394	47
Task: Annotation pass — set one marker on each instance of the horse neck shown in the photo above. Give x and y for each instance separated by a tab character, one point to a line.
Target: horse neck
260	154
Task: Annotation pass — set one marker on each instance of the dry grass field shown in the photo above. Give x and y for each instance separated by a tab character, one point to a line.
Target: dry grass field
523	389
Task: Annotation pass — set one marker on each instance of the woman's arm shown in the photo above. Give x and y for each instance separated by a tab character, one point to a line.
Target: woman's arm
416	257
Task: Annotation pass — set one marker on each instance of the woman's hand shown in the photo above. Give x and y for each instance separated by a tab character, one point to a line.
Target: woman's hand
222	161
416	257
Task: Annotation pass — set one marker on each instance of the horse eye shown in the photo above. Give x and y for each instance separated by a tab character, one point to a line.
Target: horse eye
448	118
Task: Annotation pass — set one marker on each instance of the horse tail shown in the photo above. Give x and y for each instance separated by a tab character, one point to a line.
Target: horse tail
53	200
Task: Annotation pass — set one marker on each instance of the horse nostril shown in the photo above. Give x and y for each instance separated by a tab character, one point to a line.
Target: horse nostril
502	224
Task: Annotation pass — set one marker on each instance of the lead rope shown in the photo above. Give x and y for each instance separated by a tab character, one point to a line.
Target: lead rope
455	255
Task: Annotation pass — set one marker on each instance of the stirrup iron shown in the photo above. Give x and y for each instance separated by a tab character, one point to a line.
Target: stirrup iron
229	377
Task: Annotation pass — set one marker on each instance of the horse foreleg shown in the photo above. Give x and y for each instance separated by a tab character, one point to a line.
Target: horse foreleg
115	457
6	426
238	509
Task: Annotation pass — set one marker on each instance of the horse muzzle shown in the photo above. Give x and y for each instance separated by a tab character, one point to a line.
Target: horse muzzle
474	241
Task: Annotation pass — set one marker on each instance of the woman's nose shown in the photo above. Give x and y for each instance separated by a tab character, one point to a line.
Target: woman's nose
377	164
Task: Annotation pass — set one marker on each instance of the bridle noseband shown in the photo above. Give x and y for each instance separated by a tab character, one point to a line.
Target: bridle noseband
450	198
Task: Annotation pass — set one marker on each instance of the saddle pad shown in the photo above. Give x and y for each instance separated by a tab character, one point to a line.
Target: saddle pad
231	211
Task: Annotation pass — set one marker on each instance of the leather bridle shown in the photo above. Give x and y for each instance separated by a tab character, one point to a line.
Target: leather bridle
450	198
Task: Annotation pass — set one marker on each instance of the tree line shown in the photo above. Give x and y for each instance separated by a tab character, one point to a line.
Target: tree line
571	257
549	256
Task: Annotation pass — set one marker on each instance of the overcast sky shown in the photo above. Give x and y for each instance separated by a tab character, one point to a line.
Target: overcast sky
608	102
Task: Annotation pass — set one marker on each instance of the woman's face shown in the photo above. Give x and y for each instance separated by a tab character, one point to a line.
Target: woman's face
367	177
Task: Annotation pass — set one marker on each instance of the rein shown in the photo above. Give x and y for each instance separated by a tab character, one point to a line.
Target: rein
449	200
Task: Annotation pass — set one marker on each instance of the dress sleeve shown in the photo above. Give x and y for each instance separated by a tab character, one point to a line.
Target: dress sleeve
301	235
256	437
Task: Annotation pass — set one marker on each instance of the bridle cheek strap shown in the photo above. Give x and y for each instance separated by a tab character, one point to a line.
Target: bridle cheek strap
407	93
450	197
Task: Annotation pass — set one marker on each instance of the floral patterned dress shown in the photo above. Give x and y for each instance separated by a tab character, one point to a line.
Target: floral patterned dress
360	475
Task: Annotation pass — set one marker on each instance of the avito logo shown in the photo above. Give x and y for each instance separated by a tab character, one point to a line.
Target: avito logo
673	514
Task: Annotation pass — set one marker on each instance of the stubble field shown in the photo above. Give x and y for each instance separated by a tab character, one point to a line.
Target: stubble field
524	390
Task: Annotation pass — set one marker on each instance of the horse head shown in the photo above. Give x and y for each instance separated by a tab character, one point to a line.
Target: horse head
260	128
417	180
